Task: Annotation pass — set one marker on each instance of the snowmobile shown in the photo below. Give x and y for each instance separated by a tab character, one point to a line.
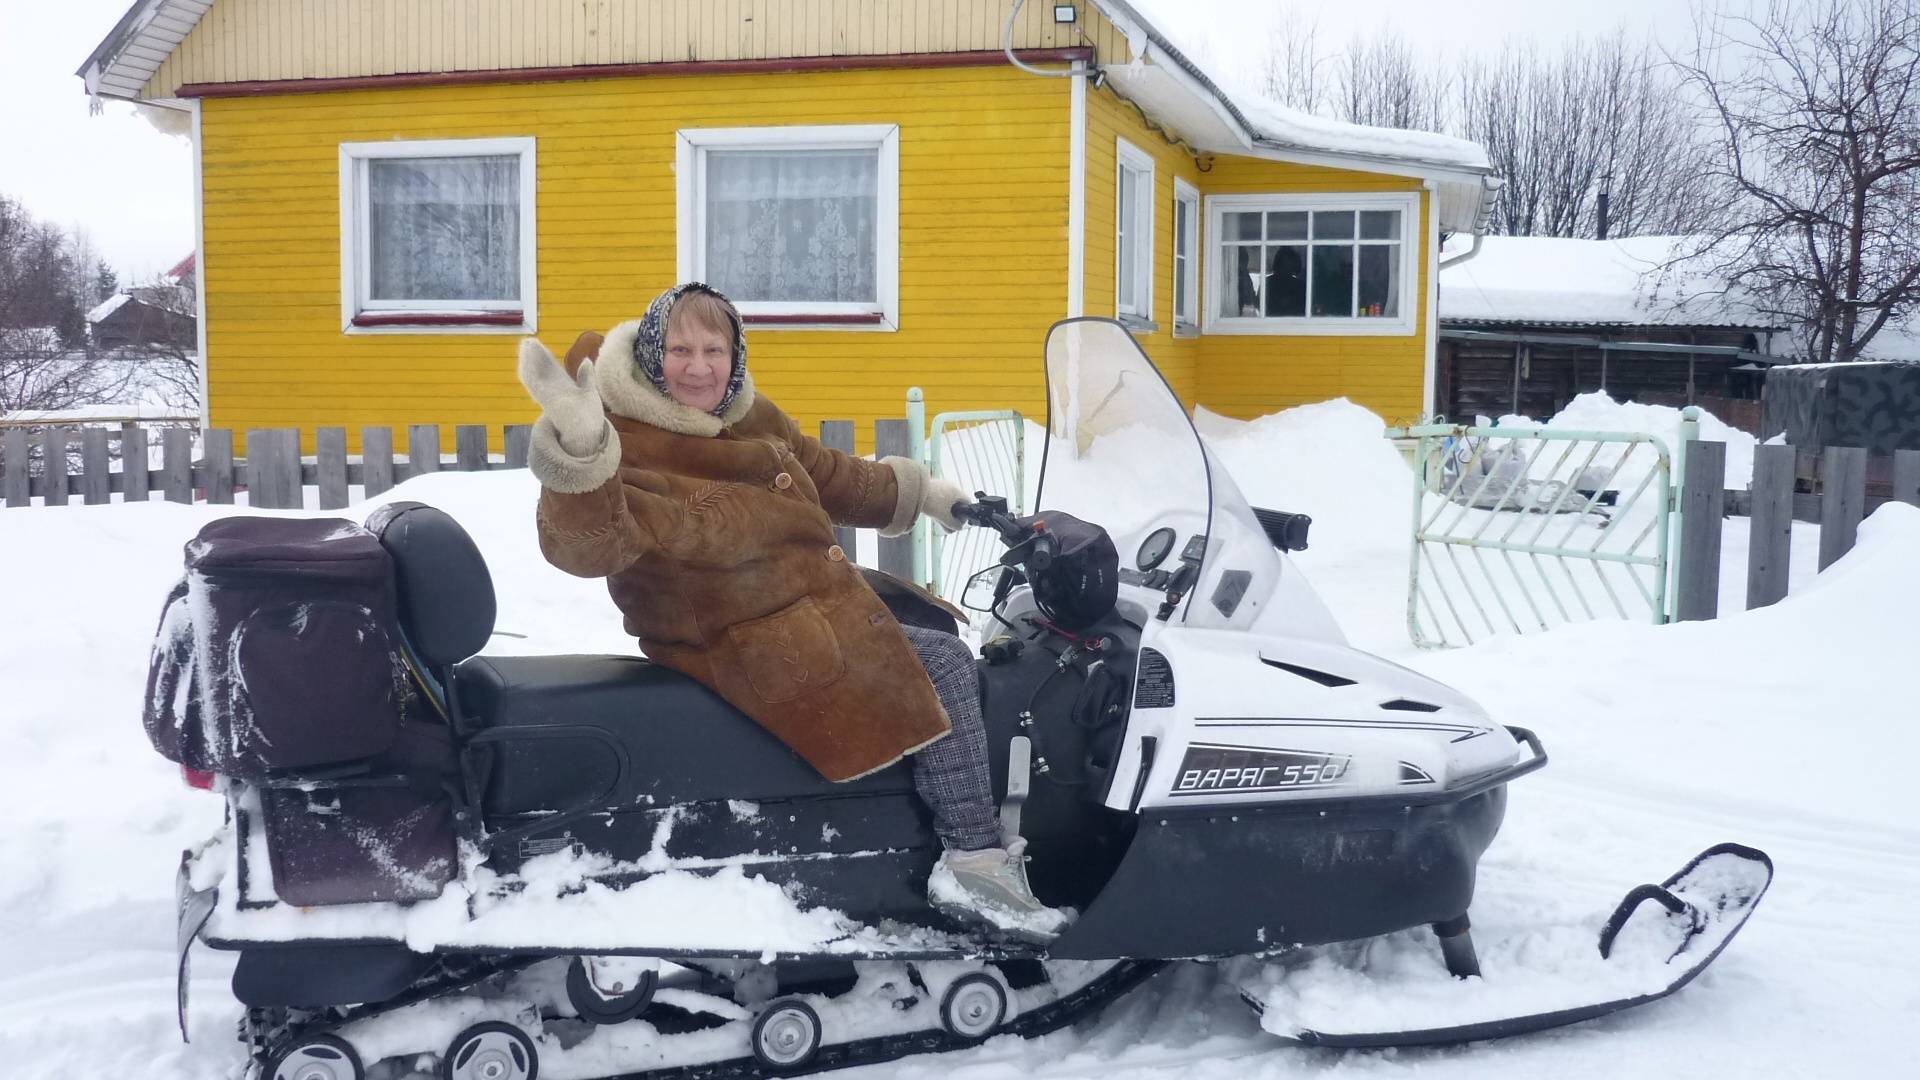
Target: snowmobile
476	863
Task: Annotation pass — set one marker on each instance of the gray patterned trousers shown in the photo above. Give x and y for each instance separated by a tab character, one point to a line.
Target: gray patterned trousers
951	775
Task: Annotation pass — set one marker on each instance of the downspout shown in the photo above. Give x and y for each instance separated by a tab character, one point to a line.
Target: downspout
1080	72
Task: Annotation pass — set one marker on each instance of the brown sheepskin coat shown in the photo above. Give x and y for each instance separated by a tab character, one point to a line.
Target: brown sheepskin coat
715	535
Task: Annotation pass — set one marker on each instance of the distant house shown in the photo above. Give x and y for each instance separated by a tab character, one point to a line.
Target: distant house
1527	323
128	319
389	194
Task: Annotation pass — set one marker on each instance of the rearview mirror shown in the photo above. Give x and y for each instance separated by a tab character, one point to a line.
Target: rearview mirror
978	595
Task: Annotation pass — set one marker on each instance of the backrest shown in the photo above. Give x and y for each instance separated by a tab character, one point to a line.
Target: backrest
446	595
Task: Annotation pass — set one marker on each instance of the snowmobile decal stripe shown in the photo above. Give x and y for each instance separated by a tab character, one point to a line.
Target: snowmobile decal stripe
1470	732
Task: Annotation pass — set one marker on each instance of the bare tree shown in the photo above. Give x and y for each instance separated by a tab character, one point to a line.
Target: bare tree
1381	83
1604	114
1293	71
1817	105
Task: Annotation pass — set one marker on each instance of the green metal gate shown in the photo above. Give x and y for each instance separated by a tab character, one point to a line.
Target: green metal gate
1520	529
980	451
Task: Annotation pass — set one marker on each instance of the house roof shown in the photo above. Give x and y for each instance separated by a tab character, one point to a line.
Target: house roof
107	307
138	44
1159	77
1240	120
1550	281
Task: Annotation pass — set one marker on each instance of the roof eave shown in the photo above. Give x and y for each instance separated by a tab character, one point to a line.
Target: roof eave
1237	134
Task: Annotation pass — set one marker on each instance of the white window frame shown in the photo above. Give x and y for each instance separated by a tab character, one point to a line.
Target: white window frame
690	185
1404	325
1127	156
356	250
1186	196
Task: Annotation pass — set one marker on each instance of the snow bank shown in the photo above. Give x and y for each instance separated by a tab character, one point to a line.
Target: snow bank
1596	411
1787	728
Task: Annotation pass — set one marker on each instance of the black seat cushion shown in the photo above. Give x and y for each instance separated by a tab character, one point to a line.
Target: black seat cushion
559	729
446	594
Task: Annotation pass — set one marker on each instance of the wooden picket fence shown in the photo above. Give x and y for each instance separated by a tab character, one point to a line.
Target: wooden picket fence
275	476
1773	505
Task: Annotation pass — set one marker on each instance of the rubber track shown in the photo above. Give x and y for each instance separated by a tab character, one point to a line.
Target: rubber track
1086	1001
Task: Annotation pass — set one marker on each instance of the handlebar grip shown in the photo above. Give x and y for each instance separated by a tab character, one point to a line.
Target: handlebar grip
1042	554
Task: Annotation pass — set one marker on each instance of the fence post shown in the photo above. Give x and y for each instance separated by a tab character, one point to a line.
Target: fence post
423	449
917	450
53	467
219	455
330	466
1676	532
1770	528
14	483
376	459
838	435
135	483
890	438
176	465
96	467
1906	476
273	469
519	442
470	447
1702	495
1843	494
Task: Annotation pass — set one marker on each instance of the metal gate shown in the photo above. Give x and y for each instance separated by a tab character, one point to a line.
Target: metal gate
980	451
1518	530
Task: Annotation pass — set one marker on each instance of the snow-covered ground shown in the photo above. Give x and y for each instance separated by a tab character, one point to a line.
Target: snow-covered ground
1789	728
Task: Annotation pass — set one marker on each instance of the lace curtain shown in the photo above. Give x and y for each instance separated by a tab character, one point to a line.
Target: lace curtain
444	228
792	225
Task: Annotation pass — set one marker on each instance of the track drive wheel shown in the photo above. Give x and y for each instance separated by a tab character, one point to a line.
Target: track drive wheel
595	1007
318	1057
490	1051
974	1007
786	1034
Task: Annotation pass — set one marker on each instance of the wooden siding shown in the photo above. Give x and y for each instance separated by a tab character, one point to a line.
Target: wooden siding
983	211
1108	120
250	40
1244	375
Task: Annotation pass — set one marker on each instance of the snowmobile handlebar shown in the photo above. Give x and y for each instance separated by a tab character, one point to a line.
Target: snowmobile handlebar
1032	544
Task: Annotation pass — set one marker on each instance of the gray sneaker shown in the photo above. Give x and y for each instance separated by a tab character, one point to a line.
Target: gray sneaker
990	886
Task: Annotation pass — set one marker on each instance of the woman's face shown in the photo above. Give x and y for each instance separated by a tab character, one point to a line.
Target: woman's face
699	362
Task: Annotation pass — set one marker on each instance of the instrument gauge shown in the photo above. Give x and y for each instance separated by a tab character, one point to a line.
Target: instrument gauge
1155	549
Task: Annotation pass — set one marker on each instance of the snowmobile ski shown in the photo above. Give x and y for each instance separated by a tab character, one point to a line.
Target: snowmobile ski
1656	941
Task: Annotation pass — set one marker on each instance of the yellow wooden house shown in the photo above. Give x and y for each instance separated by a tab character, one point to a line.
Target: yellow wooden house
895	192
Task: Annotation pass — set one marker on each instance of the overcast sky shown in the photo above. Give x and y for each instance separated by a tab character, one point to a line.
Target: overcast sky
131	187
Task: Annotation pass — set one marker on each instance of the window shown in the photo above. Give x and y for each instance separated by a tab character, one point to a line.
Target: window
1186	250
1133	233
437	234
1341	264
795	224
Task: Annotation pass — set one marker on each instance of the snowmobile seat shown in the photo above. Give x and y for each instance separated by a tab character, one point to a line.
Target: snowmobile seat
446	596
559	729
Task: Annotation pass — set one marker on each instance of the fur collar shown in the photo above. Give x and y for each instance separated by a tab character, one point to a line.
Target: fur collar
627	393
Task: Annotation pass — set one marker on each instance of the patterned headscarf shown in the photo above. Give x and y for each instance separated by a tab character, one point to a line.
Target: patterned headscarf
650	344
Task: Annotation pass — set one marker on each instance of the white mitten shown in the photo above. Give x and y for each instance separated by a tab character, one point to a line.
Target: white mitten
574	446
939	499
572	405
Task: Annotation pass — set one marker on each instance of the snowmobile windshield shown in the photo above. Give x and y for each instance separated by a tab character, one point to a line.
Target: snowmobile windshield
1121	452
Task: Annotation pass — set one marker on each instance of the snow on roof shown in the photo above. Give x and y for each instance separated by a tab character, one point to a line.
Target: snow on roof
1178	28
107	307
1630	281
1292	127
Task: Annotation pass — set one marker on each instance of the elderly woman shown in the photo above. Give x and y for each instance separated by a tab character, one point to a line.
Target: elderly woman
711	516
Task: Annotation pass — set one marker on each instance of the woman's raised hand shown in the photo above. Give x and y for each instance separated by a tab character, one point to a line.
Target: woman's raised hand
572	405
